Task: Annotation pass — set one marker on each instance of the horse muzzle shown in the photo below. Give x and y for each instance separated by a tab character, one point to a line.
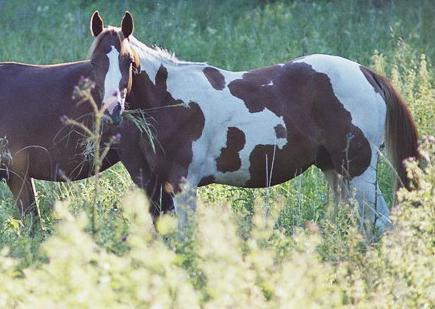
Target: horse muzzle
116	114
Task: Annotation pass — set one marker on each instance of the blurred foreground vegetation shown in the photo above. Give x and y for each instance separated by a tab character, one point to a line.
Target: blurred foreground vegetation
326	265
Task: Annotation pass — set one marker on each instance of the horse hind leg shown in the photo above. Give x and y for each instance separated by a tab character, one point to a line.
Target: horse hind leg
364	188
372	205
185	203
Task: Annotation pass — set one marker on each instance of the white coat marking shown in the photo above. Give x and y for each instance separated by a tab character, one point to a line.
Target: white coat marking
112	95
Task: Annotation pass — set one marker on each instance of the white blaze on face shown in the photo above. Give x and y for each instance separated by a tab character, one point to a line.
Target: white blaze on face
112	95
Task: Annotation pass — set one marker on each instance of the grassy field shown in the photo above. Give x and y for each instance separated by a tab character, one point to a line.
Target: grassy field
248	248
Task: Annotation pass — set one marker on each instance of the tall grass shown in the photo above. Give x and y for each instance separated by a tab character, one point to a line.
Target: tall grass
264	269
249	249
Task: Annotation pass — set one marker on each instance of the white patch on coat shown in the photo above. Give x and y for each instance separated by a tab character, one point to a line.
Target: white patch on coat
112	95
268	84
221	111
366	107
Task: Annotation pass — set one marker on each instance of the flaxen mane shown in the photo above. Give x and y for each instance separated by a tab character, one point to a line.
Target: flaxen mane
159	53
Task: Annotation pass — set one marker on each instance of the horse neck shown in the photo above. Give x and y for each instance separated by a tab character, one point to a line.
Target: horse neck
157	69
151	59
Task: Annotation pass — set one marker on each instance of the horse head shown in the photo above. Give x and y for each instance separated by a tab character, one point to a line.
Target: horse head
113	63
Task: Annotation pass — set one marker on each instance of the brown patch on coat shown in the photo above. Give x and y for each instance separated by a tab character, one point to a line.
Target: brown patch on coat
229	159
280	131
176	124
206	180
215	78
319	129
253	88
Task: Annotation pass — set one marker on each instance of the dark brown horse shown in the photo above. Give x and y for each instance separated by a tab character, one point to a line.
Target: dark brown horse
34	98
265	126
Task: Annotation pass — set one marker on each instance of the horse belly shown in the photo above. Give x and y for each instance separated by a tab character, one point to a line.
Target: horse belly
46	160
268	165
63	164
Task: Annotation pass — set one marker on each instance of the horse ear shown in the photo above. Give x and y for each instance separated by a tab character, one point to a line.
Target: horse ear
96	24
127	24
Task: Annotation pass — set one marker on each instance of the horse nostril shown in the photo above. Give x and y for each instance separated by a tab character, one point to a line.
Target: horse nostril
117	109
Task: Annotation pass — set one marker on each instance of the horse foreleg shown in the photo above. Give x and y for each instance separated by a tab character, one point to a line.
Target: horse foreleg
185	206
23	189
139	171
161	200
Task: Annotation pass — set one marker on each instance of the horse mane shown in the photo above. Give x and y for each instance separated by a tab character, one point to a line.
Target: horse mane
156	52
159	53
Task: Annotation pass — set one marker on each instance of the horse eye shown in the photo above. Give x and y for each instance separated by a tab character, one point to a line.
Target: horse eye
95	61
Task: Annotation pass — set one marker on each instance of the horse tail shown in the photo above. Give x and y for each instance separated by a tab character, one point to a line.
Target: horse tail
401	137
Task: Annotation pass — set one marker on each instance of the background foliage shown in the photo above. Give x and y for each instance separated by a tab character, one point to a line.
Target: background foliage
248	248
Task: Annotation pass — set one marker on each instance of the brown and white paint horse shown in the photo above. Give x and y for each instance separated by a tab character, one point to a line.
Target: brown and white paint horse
34	98
265	126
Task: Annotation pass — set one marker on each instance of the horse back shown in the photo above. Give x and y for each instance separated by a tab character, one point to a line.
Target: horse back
33	100
23	81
